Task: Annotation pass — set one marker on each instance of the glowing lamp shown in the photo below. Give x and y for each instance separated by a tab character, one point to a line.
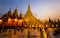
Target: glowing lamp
46	25
9	19
15	20
1	21
20	21
33	25
56	25
39	25
52	25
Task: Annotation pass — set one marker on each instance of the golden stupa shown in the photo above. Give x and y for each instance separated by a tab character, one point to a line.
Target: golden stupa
29	16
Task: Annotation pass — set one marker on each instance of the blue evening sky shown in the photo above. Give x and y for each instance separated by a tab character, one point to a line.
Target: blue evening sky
39	8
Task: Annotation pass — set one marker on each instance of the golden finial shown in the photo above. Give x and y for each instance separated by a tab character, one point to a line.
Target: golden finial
28	6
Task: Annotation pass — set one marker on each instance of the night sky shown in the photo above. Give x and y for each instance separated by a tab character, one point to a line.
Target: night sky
39	8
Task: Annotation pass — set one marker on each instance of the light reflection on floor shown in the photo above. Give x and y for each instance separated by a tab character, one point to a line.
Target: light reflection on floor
28	33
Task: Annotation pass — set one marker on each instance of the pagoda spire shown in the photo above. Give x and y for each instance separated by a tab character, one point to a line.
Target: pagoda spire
5	15
15	14
20	14
16	7
29	6
49	19
28	13
9	13
10	9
